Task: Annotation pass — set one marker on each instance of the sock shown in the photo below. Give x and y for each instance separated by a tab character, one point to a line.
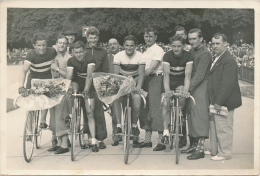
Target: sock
119	125
160	136
93	140
148	136
200	145
166	132
134	125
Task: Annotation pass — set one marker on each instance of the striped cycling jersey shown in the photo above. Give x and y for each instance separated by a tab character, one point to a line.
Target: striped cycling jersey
177	66
129	64
40	67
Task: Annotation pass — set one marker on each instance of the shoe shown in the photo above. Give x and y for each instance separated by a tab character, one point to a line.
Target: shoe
102	145
190	149
159	147
207	152
54	142
53	149
43	125
143	145
85	146
95	148
120	138
61	150
196	155
217	158
165	139
182	142
68	143
136	142
118	130
115	143
135	131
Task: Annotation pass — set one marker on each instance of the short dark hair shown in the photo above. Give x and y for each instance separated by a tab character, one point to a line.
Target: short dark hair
150	29
61	35
131	37
179	28
218	35
78	44
93	31
177	38
38	37
196	30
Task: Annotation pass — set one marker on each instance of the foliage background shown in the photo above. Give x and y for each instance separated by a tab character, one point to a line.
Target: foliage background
22	23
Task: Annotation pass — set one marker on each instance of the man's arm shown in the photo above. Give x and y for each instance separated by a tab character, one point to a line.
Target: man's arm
199	75
88	83
25	69
153	66
116	69
188	71
105	64
141	73
166	76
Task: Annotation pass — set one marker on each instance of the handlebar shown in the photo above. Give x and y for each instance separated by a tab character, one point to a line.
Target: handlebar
178	95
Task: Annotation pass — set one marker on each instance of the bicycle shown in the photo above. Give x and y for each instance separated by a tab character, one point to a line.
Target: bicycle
33	136
175	123
77	125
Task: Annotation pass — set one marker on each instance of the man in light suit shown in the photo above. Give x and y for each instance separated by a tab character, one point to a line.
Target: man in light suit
223	90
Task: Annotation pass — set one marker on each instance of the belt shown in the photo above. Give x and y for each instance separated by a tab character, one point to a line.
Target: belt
154	74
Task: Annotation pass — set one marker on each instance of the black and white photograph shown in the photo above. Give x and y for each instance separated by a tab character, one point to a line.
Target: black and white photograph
163	87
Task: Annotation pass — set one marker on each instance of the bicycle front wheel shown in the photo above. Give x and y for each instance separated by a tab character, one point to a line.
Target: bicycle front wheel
81	127
28	136
172	127
73	133
127	131
177	121
38	130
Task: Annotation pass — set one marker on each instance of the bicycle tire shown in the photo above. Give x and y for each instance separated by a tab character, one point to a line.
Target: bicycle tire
73	133
127	134
177	135
81	127
172	127
28	146
38	130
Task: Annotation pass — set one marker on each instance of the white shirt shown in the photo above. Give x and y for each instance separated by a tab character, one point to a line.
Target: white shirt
153	52
216	59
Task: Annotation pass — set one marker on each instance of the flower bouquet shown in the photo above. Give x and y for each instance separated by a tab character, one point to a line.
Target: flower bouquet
44	94
110	87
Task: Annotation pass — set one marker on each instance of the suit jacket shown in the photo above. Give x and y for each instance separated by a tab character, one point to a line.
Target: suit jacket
223	87
110	58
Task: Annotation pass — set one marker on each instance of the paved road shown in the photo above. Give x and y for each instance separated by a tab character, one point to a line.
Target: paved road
111	158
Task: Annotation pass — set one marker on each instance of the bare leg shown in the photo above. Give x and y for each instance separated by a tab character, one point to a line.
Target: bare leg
64	139
117	109
90	107
136	105
44	115
166	113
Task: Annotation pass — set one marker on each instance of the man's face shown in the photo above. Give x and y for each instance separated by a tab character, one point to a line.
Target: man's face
113	46
92	40
150	38
181	33
40	46
195	40
79	53
71	38
177	47
218	46
130	47
62	44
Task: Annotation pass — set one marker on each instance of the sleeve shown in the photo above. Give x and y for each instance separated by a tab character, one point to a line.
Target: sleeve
166	59
189	59
158	56
54	53
205	60
105	63
69	63
116	59
30	57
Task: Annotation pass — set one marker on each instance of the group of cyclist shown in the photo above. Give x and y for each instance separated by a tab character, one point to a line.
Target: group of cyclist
154	71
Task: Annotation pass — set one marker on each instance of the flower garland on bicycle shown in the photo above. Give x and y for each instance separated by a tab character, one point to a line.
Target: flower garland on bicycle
177	68
130	63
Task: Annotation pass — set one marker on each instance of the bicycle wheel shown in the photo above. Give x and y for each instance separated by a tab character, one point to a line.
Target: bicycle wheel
38	130
177	121
28	136
172	127
127	130
81	127
73	133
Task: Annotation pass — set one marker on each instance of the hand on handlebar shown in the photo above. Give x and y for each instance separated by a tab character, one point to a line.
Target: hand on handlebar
168	94
23	91
69	93
85	94
185	94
